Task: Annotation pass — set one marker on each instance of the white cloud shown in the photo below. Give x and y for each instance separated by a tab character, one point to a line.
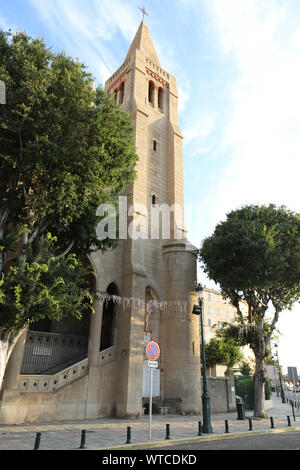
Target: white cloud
4	24
288	326
295	39
198	132
183	98
87	32
262	137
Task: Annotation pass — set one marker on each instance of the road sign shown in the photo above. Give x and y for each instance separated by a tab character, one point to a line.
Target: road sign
152	351
153	364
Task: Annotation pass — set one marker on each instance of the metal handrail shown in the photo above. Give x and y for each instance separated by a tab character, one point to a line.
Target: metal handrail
50	351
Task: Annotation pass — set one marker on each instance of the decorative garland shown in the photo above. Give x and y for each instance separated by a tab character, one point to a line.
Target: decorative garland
249	328
178	305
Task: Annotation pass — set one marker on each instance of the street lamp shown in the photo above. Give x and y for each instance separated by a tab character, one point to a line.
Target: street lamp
280	377
275	371
198	310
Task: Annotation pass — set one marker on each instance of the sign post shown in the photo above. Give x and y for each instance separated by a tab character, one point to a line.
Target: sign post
152	351
293	374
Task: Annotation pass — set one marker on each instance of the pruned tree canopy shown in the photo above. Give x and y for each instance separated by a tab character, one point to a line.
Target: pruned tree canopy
65	148
254	256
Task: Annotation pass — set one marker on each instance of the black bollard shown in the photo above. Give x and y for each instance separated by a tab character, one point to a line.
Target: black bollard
83	436
289	421
37	441
199	428
272	423
226	426
167	431
250	424
128	435
292	403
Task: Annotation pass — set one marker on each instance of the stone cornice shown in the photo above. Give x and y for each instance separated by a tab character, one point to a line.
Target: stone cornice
112	79
118	81
157	78
157	69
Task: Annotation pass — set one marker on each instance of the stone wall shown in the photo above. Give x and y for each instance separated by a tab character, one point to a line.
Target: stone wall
222	394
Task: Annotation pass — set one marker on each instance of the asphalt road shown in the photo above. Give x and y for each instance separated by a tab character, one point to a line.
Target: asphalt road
280	441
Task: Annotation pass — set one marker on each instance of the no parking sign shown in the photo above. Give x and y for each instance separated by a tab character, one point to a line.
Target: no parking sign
152	351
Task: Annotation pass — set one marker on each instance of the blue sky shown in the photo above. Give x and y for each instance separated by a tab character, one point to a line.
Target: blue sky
238	74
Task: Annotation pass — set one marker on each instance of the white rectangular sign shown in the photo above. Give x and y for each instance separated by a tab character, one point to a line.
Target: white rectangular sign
146	381
153	364
41	351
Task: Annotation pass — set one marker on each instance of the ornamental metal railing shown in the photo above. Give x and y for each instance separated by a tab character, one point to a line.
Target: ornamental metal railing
49	353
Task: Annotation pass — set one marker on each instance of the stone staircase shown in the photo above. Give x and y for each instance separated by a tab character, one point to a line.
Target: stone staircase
53	383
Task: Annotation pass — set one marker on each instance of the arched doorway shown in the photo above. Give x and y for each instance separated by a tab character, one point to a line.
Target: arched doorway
108	320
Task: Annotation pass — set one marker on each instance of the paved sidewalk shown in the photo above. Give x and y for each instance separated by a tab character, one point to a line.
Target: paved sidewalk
112	433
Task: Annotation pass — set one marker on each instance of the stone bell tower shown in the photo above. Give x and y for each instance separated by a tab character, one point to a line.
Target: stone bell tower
148	281
155	265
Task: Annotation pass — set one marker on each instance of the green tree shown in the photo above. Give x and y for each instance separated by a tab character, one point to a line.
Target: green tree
222	352
65	148
245	368
254	256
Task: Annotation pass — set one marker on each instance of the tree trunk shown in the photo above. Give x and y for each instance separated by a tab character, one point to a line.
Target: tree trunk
259	386
259	376
7	345
4	347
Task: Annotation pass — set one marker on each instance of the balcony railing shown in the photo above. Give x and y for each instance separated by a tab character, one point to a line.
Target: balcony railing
49	353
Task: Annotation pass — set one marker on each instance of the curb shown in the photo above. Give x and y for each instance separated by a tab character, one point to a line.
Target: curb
170	442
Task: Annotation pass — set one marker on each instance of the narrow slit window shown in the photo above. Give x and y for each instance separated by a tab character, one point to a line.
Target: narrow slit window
154	145
153	199
122	87
161	99
151	93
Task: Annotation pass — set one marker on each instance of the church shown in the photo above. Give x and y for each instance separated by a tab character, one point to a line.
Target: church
144	290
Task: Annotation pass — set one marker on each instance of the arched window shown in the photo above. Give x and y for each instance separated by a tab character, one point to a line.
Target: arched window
161	99
108	320
151	93
122	87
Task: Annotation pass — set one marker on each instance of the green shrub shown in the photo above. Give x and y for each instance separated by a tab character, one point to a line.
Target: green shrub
244	387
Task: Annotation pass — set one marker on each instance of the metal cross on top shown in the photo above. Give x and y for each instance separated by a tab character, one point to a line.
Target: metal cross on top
144	12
